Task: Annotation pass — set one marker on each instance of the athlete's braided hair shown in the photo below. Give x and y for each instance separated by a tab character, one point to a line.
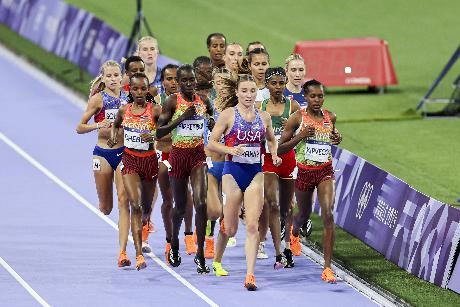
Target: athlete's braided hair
149	97
274	71
96	85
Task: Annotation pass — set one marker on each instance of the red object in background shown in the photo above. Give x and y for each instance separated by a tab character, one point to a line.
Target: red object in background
348	62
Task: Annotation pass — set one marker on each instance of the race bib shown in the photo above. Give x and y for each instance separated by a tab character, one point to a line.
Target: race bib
251	155
159	155
317	152
133	140
96	164
191	127
111	114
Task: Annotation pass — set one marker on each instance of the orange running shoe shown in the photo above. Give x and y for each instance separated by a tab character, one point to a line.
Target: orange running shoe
145	232
295	245
250	282
123	260
140	262
195	239
168	247
328	276
209	248
190	247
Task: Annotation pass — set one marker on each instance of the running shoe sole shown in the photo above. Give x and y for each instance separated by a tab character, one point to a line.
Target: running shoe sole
124	263
141	266
250	287
201	270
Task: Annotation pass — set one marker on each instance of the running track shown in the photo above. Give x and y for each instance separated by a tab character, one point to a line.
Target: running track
67	253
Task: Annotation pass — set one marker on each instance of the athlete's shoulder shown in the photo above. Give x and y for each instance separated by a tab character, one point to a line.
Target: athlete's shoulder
96	99
227	112
332	116
171	100
297	115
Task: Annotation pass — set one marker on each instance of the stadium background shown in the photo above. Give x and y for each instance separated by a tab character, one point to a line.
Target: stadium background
383	129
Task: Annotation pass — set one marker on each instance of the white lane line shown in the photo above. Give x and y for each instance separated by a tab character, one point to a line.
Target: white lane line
350	280
23	283
88	205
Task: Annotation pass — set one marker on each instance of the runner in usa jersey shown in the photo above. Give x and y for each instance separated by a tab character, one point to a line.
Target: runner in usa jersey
245	129
106	98
295	71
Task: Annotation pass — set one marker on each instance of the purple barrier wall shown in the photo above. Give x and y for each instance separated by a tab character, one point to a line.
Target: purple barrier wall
67	31
416	232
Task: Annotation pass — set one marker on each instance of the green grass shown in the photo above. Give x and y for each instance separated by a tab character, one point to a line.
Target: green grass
421	152
421	36
56	67
383	129
364	261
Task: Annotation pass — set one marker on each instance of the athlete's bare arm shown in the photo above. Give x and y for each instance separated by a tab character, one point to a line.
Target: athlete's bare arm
336	137
269	134
164	125
94	107
116	126
288	141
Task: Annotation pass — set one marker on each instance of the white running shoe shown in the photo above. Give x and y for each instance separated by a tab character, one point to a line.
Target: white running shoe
231	242
146	247
261	252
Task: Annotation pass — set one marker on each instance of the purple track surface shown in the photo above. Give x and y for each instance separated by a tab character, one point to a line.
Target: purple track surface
68	254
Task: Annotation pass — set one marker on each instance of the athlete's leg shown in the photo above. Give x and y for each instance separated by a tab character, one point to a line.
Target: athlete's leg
304	204
326	195
253	197
188	218
286	195
271	202
263	222
133	187
147	212
233	198
167	205
199	187
103	176
148	193
179	188
214	204
123	210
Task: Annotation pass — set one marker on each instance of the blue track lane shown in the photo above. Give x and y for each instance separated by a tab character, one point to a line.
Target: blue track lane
68	254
